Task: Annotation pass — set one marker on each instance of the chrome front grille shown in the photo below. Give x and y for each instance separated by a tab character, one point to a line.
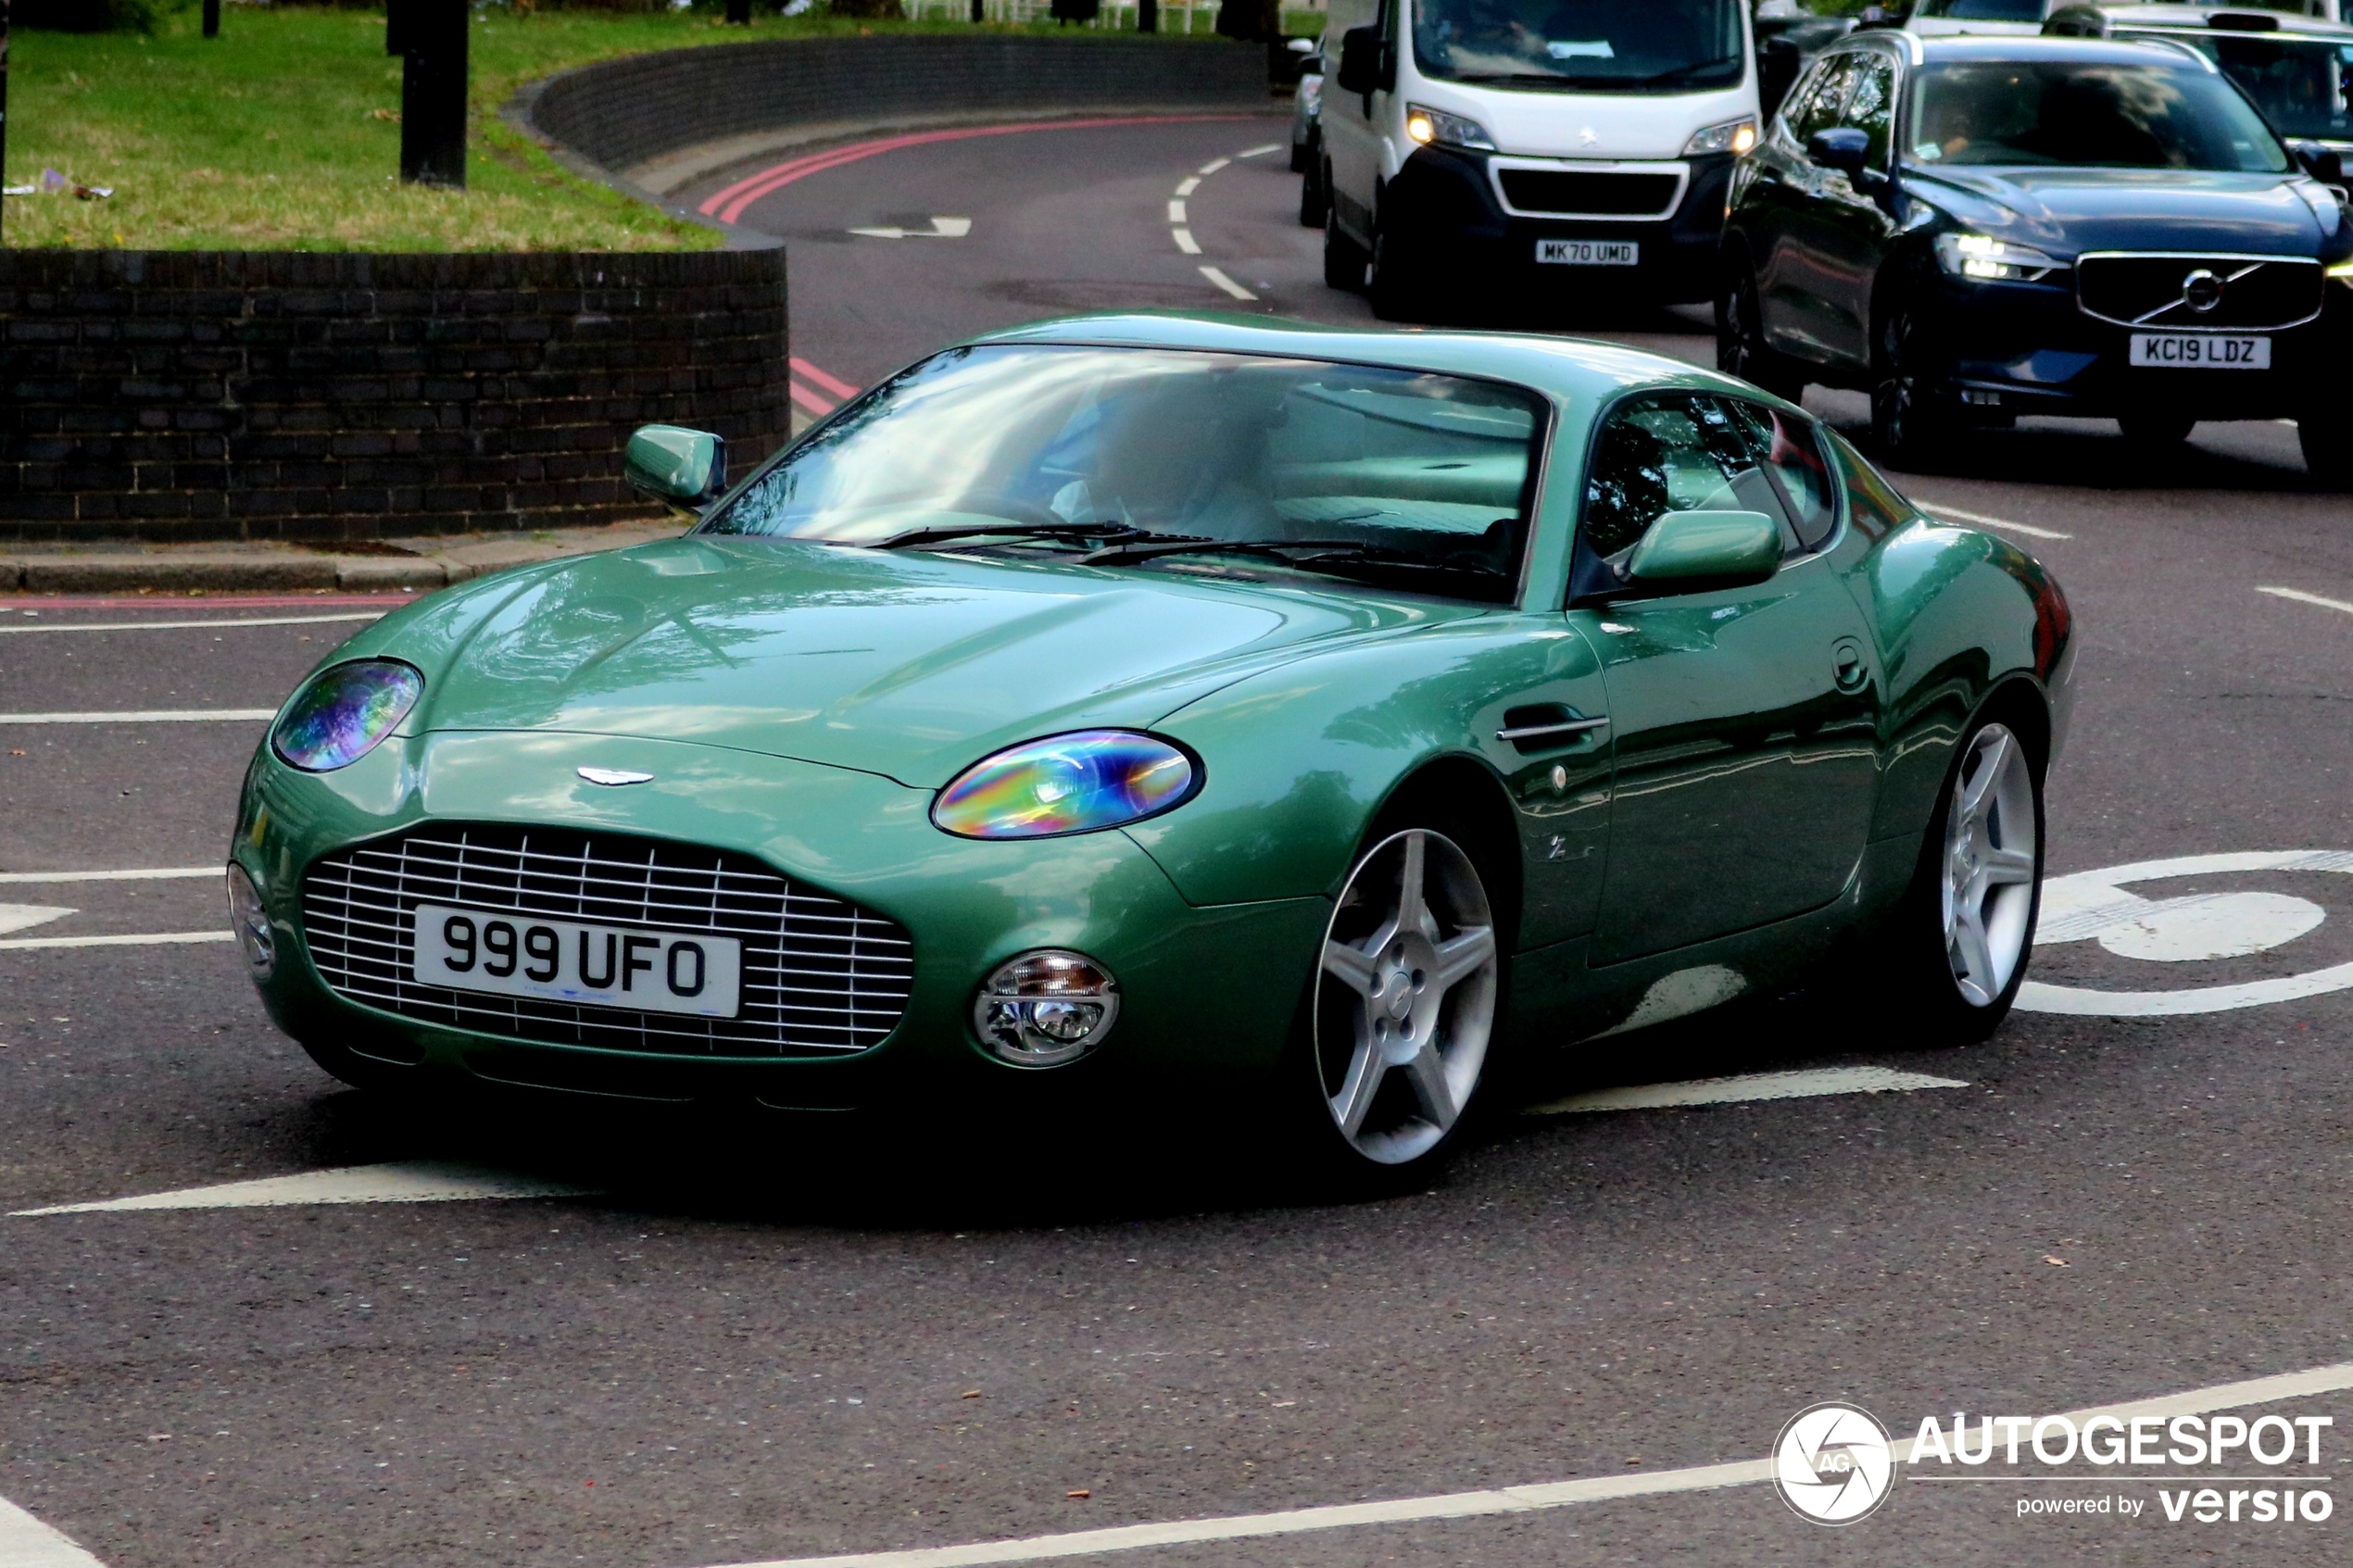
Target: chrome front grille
2158	291
821	977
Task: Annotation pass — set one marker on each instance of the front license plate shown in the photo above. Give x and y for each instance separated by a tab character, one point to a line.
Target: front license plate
2202	351
1590	252
613	966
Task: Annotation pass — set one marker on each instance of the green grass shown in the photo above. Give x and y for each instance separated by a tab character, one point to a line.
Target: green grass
278	135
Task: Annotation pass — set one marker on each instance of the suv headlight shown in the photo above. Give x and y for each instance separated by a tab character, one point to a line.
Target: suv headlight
1982	259
1427	126
1077	783
344	712
1732	136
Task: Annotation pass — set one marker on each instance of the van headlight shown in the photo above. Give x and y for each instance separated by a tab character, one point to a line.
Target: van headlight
343	712
1735	136
1437	127
1077	783
1981	258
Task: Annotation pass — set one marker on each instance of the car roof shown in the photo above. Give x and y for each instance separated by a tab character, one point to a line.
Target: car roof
1564	368
1996	47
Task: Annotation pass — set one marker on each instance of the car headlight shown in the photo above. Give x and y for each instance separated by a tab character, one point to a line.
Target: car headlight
1427	126
2343	272
344	712
1046	1008
1076	783
1732	136
1983	259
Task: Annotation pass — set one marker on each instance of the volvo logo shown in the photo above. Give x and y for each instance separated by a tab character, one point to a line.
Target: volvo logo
613	776
2201	290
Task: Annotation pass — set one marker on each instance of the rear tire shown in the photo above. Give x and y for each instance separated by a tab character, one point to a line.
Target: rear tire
1344	259
1741	349
2327	455
1965	932
1313	204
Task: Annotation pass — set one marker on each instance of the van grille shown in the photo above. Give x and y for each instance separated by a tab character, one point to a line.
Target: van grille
1600	195
821	977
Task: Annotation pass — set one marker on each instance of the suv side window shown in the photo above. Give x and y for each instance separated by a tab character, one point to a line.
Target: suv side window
1676	452
1788	450
1870	104
1821	111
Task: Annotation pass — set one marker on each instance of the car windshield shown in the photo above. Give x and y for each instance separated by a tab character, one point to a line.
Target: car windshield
1982	10
2300	83
1583	45
2086	114
1267	466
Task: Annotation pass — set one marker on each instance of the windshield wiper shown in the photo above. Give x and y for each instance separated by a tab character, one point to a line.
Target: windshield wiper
1010	529
1332	552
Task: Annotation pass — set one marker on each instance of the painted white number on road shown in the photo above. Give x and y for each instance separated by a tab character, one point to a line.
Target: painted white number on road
2093	906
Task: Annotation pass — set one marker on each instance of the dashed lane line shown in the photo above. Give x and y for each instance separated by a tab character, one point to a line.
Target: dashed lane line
1260	151
188	626
2300	597
1185	241
149	716
1744	1087
25	1542
1177	208
415	1180
1223	281
139	939
1956	514
1214	165
163	874
1515	1500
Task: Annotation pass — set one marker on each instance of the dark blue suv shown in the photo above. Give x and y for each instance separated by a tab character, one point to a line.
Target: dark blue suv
1973	228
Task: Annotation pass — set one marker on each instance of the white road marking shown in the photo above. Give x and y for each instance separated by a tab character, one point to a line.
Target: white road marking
1512	1499
1177	212
416	1180
1223	281
1189	184
154	939
1260	152
942	228
1214	165
25	1542
1183	238
22	917
1746	1087
186	625
1942	513
158	875
147	716
2093	905
2300	597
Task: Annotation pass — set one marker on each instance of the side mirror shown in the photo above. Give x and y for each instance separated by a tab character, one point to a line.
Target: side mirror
2323	164
1843	148
1707	549
685	469
1364	61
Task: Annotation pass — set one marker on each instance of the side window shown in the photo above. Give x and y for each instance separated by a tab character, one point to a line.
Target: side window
1788	450
1669	453
1872	504
1801	93
1870	105
1821	111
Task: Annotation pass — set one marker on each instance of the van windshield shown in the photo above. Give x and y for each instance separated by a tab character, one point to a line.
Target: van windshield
1582	45
2300	83
1982	10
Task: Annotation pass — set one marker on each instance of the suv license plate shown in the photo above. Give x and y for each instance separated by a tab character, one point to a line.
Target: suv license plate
1590	252
612	966
2201	351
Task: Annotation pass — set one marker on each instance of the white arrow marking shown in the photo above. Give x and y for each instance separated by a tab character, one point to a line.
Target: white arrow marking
1747	1086
942	228
17	917
26	1542
418	1181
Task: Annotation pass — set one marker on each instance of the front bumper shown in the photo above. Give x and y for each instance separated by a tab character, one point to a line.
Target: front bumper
2028	348
1204	990
1449	227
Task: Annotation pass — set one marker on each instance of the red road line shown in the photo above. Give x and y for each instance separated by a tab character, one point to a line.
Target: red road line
808	399
834	384
729	204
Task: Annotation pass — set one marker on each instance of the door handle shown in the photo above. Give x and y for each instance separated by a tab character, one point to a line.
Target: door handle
1546	732
1847	666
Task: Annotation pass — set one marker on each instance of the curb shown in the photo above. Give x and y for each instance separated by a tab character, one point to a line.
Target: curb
218	571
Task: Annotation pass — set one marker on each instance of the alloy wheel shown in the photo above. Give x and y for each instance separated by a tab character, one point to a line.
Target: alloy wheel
1990	861
1406	997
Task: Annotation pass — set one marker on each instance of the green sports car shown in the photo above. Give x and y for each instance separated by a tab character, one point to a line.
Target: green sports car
1144	700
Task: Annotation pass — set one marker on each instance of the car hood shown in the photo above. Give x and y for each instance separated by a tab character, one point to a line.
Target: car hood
2068	211
908	664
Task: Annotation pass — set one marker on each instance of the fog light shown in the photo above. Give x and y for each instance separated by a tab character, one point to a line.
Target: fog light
251	923
1046	1008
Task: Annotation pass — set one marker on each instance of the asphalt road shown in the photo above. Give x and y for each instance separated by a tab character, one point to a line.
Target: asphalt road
759	1342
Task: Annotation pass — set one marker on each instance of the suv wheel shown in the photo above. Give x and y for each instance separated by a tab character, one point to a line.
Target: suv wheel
2326	456
1740	337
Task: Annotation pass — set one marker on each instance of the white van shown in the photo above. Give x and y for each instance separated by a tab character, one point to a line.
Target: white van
1473	145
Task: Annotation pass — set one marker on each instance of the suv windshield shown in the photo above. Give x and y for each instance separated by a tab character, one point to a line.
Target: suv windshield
2300	83
1982	10
2098	116
1174	460
1582	45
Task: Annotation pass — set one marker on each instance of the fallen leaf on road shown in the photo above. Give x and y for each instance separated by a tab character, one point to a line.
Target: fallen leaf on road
2060	1262
1082	1492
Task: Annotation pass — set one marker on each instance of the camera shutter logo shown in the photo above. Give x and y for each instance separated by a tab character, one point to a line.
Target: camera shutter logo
1833	1464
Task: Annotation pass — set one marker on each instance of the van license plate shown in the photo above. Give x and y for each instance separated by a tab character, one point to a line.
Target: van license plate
611	966
2201	351
1590	252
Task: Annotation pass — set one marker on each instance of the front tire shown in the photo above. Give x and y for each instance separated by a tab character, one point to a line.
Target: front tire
1966	931
1911	428
2326	455
1344	259
1741	349
1405	1003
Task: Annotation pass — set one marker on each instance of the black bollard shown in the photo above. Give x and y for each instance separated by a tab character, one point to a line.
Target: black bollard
739	12
430	36
212	19
4	89
1147	15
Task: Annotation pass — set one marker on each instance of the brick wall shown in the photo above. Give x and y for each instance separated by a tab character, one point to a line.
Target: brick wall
625	112
195	394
